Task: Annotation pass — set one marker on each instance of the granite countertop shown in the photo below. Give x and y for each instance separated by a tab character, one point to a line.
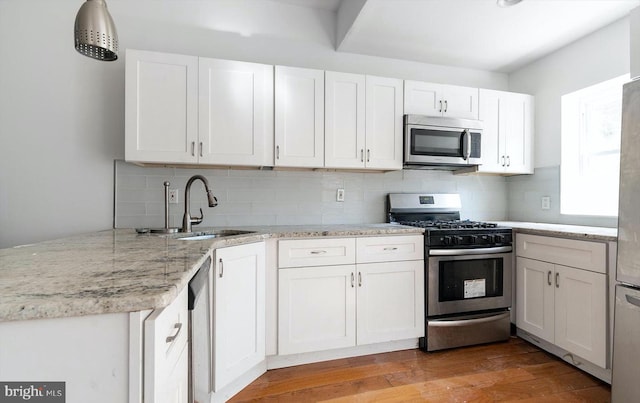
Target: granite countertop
562	230
122	271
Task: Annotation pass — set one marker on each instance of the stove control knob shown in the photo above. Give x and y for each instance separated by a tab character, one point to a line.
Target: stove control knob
446	240
499	238
473	239
491	238
457	240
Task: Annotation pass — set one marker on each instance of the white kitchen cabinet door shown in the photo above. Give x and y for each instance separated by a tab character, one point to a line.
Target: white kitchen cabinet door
383	123
161	107
165	352
239	311
422	98
430	99
236	113
344	120
390	301
317	308
491	112
581	313
299	117
519	134
507	135
535	297
460	102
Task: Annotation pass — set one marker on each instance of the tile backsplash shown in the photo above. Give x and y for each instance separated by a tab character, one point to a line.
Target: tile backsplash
283	197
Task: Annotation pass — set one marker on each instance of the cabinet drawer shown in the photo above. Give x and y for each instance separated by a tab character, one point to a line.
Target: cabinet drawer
316	252
389	248
165	334
568	252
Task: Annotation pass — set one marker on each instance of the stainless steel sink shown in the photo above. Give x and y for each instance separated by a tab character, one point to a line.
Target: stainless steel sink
209	234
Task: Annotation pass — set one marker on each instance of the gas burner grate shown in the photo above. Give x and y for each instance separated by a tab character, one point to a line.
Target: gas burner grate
452	224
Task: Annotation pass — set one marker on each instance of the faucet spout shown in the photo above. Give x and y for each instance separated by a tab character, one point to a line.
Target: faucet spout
187	220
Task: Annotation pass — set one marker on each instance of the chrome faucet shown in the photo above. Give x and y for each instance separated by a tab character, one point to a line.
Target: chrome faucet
187	220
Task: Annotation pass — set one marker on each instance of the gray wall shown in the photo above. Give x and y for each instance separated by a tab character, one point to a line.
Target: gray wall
252	197
595	58
62	115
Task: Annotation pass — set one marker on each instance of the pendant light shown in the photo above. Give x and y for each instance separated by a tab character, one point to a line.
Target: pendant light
95	33
507	3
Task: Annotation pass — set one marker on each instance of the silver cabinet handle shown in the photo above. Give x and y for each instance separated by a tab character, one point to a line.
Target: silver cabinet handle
277	152
557	280
368	155
193	148
318	252
508	161
359	279
175	336
468	322
390	248
201	148
504	161
633	300
221	269
549	277
361	155
446	106
352	280
440	106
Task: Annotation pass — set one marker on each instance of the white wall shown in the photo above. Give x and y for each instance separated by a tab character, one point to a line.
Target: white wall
590	60
62	115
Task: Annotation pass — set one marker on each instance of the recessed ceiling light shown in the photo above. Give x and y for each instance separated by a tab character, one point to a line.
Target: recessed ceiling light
507	3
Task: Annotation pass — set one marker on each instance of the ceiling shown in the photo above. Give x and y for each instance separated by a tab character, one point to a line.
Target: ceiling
466	33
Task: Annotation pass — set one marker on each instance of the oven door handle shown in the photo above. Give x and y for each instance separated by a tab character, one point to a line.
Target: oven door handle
476	251
468	322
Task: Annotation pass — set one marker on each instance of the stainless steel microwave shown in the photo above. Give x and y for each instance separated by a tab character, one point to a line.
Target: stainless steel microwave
439	141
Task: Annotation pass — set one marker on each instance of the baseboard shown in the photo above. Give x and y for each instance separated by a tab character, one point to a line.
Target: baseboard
278	361
603	374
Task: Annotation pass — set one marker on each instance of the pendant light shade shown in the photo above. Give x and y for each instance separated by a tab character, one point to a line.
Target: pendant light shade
507	3
95	33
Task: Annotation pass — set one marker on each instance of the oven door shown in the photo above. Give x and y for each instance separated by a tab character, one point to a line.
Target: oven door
468	280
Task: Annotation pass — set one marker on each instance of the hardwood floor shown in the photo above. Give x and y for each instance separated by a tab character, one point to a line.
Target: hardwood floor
511	371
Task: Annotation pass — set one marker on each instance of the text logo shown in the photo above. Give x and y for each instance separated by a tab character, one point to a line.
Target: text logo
36	392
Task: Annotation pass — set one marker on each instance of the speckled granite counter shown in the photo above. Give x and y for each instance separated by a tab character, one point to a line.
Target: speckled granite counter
562	230
121	271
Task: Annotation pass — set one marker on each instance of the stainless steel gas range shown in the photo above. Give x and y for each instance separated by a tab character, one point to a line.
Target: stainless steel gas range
468	271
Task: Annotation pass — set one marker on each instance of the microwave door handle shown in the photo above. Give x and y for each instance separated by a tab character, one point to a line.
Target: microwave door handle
466	144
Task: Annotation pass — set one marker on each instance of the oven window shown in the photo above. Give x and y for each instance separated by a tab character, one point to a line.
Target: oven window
468	279
436	142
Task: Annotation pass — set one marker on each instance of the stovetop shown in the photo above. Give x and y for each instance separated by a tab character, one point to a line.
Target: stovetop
439	215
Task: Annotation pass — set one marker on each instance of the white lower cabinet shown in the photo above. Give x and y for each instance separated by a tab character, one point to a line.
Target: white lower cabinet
563	305
166	364
345	305
239	311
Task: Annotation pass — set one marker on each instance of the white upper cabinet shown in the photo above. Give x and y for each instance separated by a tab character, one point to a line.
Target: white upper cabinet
185	109
507	136
161	107
383	123
236	113
344	120
429	99
363	121
299	117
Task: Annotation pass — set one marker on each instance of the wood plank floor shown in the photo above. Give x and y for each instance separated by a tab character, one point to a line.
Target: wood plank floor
511	371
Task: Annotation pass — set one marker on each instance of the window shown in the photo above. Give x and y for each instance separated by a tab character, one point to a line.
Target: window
590	168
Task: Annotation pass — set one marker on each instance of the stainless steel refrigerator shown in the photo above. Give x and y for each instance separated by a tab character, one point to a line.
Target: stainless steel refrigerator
626	329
